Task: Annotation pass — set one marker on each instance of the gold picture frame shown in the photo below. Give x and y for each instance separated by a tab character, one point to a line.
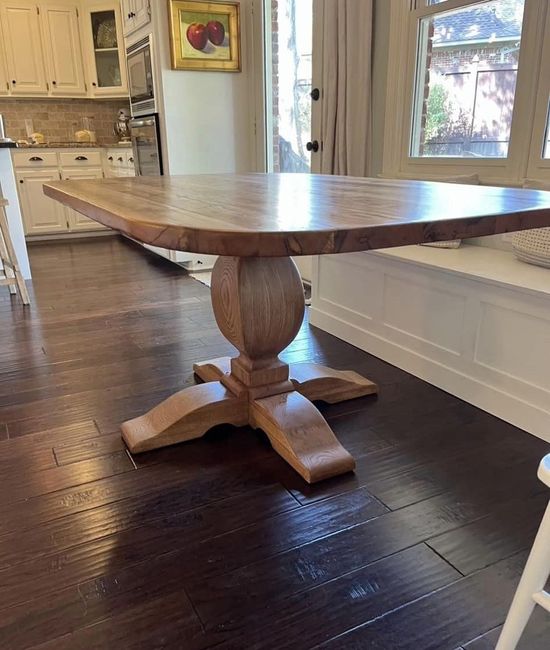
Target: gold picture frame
205	35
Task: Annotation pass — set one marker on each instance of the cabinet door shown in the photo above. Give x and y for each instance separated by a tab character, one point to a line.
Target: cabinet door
63	49
4	82
40	214
24	51
141	14
127	7
76	220
105	51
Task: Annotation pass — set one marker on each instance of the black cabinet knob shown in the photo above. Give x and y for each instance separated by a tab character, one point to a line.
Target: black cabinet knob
94	83
36	159
81	158
54	83
110	158
120	159
21	181
13	81
313	146
315	94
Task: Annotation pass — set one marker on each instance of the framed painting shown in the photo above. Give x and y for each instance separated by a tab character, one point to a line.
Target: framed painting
205	35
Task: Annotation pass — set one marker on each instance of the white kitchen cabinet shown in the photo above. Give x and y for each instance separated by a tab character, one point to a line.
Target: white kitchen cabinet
23	48
40	213
4	82
75	220
119	162
135	15
104	50
60	29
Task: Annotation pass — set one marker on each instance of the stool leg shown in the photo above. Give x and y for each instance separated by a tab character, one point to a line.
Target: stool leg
8	271
533	580
11	257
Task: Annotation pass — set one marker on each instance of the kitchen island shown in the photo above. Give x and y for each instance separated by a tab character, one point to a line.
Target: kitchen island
8	190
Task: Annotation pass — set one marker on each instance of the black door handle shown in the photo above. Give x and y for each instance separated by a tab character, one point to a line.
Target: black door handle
313	146
36	159
315	94
81	158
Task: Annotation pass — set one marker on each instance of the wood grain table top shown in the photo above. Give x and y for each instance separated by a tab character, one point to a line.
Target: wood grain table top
268	215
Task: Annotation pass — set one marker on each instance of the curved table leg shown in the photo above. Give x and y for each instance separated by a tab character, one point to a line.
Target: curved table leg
314	381
300	434
184	416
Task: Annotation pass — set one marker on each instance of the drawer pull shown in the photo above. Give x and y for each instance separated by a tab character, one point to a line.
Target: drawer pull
36	159
120	159
81	158
110	158
130	160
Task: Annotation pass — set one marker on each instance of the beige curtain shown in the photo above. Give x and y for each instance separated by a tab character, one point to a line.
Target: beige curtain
346	84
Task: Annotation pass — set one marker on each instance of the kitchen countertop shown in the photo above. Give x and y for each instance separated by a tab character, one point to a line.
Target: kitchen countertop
73	145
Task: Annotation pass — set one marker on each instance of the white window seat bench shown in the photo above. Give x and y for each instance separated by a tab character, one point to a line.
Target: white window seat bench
473	321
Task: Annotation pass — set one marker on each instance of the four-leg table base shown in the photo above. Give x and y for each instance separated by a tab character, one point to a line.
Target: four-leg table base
259	307
294	426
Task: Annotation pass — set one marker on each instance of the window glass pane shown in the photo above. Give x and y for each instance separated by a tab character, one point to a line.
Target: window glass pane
289	71
546	149
466	80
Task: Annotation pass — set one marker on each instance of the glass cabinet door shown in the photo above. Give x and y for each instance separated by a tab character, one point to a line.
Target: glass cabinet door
107	52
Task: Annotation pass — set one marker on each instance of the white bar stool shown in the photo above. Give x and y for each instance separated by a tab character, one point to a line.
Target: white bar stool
530	591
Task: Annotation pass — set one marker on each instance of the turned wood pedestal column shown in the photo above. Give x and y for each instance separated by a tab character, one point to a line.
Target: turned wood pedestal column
259	308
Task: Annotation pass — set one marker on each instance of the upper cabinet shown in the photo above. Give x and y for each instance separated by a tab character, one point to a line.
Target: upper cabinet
135	14
4	82
63	50
23	48
105	50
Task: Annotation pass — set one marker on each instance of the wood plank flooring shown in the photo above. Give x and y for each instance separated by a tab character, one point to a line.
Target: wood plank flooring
217	543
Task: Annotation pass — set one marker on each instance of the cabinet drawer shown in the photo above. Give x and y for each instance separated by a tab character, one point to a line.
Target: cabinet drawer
35	159
80	159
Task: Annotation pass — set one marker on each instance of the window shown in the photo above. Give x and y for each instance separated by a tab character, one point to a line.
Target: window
466	80
474	92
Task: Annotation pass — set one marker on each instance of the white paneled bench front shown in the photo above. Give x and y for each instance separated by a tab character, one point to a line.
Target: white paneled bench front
473	321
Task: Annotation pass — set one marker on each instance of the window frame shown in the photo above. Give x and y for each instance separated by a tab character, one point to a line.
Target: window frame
529	104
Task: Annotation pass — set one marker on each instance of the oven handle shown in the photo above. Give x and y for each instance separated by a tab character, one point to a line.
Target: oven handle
139	123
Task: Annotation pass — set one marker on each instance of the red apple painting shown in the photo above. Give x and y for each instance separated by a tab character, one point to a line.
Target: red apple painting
205	35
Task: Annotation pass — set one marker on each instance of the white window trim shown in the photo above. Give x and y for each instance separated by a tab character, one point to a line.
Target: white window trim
530	109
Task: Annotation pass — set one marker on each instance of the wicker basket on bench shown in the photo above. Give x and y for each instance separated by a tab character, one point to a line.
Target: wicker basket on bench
533	246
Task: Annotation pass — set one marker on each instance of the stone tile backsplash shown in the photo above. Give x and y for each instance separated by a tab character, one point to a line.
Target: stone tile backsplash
55	118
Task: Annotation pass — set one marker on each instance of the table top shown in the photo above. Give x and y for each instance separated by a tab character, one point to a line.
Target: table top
268	215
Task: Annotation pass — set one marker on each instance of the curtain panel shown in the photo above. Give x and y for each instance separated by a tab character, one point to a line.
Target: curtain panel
346	123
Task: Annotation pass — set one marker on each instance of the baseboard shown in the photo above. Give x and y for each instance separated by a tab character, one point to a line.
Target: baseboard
466	387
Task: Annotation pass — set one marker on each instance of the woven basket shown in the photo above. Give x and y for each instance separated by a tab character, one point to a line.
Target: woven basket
533	246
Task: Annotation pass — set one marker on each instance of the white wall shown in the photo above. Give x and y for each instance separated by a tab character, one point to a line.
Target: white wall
208	117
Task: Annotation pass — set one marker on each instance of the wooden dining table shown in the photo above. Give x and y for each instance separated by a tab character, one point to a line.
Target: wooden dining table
256	223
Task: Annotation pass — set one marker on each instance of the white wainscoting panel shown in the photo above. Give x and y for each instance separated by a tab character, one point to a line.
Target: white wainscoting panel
485	341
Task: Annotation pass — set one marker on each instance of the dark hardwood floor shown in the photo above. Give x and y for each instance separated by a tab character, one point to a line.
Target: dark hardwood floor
217	543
